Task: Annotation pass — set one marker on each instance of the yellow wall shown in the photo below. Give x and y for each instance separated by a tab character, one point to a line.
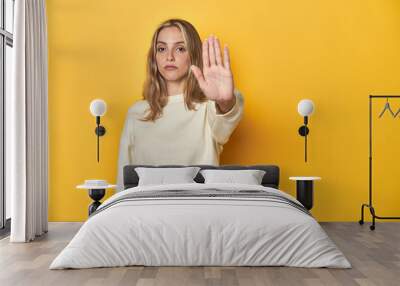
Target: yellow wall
333	52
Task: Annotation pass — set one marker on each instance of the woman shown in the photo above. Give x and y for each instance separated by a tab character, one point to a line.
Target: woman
189	107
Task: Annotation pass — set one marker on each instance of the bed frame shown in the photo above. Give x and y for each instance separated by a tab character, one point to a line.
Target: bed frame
270	179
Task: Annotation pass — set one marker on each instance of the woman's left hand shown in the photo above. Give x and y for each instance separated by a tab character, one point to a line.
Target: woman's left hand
216	80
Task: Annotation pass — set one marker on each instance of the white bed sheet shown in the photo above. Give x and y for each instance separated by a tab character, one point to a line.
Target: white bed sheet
200	231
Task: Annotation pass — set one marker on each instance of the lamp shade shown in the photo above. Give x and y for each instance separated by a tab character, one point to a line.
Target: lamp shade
305	107
98	107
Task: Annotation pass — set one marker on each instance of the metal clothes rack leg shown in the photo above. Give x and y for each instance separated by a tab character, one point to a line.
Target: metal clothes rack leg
369	205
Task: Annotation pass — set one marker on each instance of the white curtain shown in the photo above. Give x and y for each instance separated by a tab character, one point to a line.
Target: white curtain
27	123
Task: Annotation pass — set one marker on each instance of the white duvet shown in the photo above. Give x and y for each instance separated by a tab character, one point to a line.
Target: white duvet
200	231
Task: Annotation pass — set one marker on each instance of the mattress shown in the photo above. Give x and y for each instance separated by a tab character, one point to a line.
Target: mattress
198	224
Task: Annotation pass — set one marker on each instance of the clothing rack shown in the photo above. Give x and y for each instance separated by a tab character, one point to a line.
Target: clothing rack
370	205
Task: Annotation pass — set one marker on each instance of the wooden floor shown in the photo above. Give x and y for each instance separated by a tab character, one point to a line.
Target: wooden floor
375	257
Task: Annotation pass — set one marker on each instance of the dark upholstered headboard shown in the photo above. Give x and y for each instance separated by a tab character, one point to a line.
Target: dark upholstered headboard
270	179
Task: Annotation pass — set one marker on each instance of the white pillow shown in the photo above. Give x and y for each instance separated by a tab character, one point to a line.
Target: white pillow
162	176
249	177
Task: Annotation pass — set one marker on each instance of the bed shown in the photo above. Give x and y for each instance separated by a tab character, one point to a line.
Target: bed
201	224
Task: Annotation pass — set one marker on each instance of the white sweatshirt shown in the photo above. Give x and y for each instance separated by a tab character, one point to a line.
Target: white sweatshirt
180	136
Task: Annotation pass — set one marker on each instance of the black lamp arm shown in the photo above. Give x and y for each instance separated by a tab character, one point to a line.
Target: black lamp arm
100	131
303	131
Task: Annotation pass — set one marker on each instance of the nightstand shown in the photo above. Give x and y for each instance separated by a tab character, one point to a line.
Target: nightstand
96	193
305	190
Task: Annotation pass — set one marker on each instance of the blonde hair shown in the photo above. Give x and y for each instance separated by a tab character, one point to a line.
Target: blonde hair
155	87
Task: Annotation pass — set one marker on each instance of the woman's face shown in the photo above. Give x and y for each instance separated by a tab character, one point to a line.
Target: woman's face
171	51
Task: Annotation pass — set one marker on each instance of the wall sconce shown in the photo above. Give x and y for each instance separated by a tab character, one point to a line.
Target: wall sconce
305	108
98	107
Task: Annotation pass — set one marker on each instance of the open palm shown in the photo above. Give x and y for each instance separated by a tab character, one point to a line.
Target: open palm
216	80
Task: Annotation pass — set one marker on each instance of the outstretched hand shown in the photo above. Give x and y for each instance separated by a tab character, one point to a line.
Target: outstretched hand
216	80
